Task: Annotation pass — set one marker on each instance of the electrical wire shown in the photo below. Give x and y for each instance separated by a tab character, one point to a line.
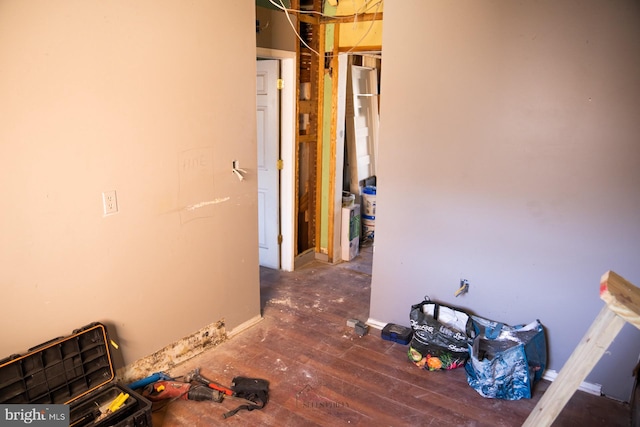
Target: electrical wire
293	27
366	6
373	21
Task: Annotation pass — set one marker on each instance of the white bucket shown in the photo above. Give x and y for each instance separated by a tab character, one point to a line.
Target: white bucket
369	201
368	227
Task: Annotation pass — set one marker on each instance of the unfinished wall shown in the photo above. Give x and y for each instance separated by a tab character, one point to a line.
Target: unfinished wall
274	30
509	156
361	34
154	99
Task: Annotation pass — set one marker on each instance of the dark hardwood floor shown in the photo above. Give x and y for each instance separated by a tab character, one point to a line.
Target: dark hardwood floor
322	373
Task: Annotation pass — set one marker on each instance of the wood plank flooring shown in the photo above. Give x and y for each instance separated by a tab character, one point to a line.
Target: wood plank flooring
323	374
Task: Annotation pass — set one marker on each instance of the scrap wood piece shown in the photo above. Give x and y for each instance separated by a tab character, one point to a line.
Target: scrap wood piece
586	355
622	304
621	296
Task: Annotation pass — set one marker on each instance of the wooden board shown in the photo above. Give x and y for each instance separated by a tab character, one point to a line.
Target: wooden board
621	296
588	352
622	305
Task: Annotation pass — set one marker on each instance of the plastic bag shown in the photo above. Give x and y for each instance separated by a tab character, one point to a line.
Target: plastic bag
506	361
440	336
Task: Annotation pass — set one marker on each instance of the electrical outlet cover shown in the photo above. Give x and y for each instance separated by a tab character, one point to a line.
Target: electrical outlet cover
110	202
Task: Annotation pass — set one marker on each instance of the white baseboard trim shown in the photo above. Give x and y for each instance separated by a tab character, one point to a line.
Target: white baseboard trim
182	350
244	326
591	388
376	324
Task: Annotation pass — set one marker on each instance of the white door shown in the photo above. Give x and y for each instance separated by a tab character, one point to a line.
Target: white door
268	125
362	124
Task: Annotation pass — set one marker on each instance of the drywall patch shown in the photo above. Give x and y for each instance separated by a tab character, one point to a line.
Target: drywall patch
175	353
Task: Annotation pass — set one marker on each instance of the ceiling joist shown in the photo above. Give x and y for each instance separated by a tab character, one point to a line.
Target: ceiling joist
315	20
365	17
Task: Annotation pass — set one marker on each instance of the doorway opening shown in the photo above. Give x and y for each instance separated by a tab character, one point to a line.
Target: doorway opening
357	100
279	156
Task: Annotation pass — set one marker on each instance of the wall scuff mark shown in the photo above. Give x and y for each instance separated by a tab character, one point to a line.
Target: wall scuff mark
204	204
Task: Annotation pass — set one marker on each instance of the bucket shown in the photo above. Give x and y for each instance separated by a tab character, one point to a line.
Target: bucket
368	227
348	199
369	201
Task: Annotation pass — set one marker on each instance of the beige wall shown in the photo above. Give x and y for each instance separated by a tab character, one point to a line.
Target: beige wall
509	157
275	30
154	99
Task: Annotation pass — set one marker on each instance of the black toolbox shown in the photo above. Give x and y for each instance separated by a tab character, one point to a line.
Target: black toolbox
397	333
77	371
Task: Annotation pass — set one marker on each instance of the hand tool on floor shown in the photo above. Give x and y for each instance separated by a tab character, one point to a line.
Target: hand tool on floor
164	389
157	376
173	390
197	377
229	393
251	393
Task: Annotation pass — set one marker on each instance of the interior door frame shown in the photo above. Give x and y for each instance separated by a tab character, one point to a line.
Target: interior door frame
287	151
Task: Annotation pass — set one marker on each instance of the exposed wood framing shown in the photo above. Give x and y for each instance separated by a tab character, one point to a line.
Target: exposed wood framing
308	131
321	34
366	17
334	127
344	49
315	19
309	140
296	203
309	19
306	106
